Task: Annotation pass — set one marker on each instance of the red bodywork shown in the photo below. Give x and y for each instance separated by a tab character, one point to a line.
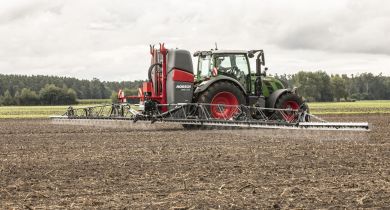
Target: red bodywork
182	76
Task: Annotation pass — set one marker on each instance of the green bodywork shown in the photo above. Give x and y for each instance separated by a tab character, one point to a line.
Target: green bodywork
246	77
269	85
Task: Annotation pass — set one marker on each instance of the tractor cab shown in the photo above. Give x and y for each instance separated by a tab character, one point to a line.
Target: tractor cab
234	65
229	63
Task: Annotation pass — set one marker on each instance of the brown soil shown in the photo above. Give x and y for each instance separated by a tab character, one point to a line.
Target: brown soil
44	165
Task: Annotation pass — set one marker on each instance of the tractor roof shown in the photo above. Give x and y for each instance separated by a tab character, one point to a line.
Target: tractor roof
210	52
229	51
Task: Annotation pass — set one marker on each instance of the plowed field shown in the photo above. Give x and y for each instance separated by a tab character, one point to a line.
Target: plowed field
44	165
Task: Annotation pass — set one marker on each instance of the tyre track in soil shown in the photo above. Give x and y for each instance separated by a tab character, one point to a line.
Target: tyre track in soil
44	165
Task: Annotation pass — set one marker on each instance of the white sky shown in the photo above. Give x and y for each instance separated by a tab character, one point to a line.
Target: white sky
108	39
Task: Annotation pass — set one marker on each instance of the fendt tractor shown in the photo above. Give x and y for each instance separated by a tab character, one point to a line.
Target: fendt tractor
224	91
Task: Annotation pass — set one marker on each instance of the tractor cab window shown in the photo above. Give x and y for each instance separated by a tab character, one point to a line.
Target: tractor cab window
242	64
232	64
223	63
204	64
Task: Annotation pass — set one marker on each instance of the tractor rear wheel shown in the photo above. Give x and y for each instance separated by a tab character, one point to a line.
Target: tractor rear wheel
289	101
224	93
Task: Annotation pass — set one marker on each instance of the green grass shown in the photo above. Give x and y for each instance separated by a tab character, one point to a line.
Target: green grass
93	101
32	111
359	107
44	111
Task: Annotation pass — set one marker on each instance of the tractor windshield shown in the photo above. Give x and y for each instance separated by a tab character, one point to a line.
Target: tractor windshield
227	64
233	65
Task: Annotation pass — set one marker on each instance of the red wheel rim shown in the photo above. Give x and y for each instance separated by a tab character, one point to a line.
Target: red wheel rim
223	112
289	116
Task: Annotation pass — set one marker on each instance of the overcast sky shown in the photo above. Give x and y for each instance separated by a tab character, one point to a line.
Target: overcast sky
108	39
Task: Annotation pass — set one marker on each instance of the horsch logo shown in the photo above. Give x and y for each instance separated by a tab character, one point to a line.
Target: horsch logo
183	86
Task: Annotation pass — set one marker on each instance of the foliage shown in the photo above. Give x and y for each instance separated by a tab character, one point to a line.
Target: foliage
7	99
114	97
339	87
315	86
85	89
29	97
53	95
318	86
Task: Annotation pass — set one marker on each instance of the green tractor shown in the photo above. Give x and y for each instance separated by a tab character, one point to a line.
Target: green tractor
225	77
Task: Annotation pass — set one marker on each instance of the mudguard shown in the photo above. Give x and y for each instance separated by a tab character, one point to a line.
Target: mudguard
205	84
271	100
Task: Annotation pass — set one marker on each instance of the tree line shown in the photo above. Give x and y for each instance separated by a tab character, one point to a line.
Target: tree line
320	86
314	86
54	90
49	95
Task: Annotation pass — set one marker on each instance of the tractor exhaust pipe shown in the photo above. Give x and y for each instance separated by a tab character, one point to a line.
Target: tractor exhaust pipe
259	61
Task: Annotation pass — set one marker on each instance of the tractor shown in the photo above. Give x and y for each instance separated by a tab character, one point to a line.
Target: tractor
225	77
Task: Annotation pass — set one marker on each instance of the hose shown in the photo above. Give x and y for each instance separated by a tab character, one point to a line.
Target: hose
151	69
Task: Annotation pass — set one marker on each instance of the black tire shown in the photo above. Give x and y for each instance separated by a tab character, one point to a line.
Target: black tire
208	95
290	100
219	87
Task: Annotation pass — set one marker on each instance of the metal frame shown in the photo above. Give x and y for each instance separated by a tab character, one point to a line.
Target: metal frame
199	114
